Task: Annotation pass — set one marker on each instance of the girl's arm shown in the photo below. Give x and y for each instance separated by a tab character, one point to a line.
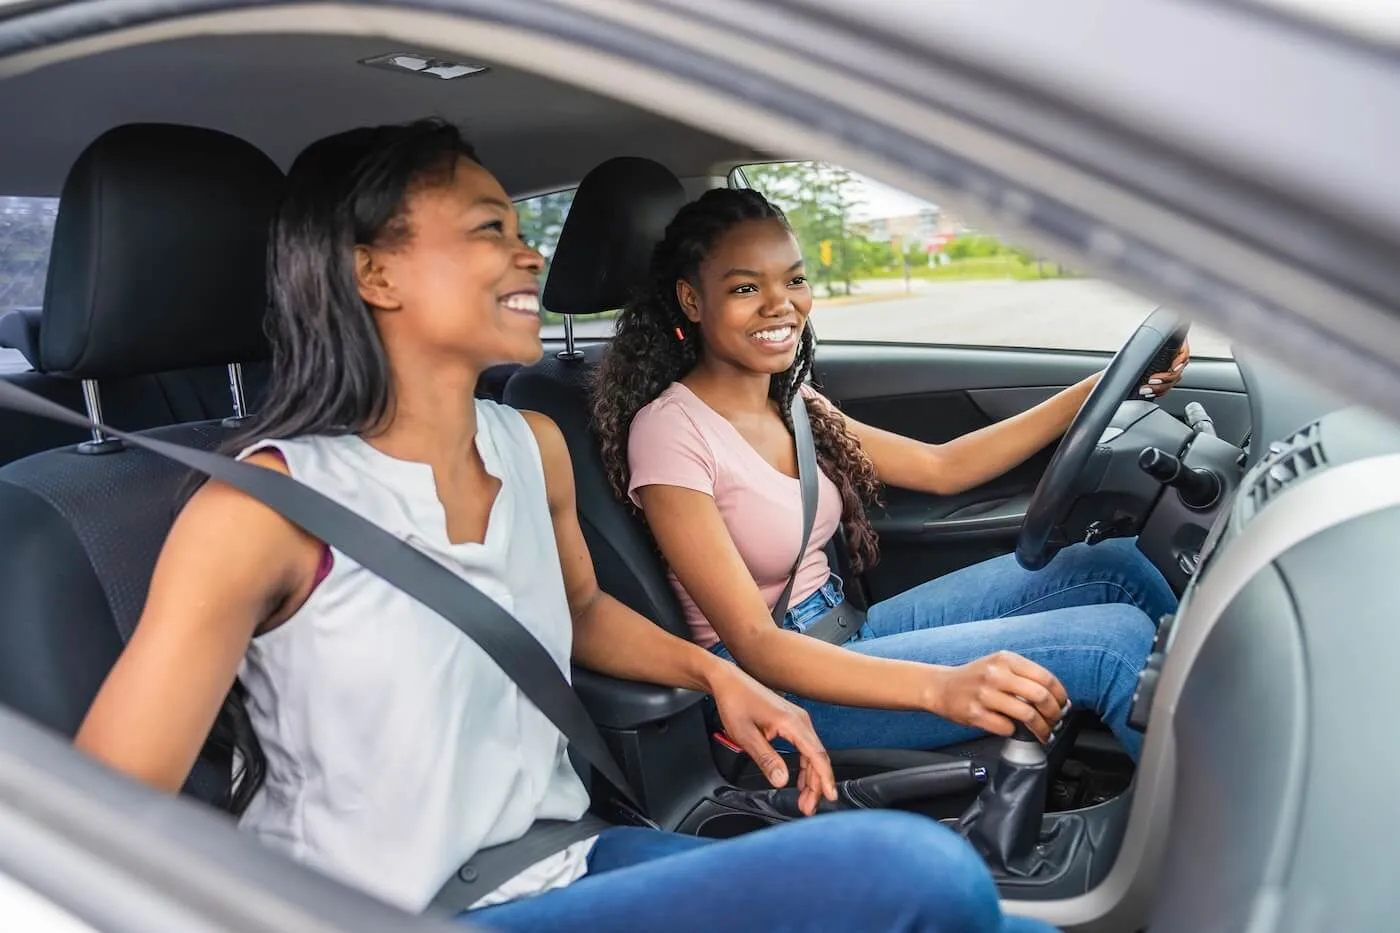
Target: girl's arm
973	459
988	693
228	566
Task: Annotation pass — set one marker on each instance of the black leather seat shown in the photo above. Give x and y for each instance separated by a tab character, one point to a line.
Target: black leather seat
619	213
158	265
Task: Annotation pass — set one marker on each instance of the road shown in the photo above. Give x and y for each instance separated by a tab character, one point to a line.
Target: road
1069	314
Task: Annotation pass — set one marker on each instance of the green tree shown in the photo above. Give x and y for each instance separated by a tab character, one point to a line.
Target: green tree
871	257
818	199
977	246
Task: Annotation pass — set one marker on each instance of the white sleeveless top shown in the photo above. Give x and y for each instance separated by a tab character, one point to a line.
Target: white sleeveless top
395	747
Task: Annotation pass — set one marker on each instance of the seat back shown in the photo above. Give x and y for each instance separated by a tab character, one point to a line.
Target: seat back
82	531
619	214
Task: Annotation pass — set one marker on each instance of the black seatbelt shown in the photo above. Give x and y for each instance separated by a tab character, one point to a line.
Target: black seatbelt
490	868
807	475
843	620
517	652
807	479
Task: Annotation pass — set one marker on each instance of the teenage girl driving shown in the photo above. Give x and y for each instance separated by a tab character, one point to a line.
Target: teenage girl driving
691	405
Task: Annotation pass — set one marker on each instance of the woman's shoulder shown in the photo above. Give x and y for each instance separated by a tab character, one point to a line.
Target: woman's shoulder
513	433
299	453
495	416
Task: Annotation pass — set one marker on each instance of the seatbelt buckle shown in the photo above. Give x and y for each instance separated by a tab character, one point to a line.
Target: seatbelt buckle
729	758
628	815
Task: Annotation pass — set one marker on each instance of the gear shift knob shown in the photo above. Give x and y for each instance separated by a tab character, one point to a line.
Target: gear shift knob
1003	823
1023	734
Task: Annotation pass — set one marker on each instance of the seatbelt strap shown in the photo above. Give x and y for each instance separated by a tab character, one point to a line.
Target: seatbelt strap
508	643
490	868
807	479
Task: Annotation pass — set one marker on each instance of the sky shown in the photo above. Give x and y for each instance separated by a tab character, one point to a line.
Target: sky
883	201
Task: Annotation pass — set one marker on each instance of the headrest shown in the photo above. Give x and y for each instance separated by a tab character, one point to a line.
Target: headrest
159	254
619	214
19	330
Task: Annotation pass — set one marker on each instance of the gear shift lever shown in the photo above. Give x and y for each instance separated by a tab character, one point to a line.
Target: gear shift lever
1003	823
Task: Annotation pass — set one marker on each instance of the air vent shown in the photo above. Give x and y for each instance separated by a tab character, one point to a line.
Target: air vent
1287	461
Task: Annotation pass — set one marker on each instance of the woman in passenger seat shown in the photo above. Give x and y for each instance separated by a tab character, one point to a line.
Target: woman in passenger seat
386	748
691	407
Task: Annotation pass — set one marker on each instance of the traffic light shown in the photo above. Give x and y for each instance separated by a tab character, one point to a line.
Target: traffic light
826	252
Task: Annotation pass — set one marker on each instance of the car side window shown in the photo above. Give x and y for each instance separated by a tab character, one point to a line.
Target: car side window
26	234
890	267
542	220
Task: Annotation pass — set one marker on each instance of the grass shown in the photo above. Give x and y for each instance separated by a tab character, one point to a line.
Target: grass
1006	266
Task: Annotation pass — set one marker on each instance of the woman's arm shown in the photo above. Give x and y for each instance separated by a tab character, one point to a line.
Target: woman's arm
228	566
971	460
988	693
611	639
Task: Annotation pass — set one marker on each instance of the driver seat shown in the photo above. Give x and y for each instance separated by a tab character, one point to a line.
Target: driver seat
619	213
159	261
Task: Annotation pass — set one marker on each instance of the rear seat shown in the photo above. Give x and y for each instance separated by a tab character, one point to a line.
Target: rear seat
19	331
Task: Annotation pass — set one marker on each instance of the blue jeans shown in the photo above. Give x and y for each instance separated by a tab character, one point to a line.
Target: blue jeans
889	872
1089	617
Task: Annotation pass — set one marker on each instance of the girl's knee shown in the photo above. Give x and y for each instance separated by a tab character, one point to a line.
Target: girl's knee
1130	631
1115	629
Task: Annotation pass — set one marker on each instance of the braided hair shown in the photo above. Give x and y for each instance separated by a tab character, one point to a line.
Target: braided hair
656	344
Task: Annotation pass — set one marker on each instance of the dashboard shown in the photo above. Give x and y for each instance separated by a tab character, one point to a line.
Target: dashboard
1275	685
1264	799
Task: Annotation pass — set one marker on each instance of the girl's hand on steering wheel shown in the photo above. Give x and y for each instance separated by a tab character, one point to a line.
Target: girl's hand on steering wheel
1158	384
998	691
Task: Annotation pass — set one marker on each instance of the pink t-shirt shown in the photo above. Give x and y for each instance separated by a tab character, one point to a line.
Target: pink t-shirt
678	440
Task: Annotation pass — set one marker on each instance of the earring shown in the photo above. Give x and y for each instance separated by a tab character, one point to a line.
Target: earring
680	334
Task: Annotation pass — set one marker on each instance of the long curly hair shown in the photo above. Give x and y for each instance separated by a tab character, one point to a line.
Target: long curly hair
645	357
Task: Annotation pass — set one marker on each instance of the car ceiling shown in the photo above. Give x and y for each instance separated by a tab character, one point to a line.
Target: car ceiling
282	92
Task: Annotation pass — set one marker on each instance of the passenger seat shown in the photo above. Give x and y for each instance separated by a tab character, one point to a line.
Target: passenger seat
158	267
142	245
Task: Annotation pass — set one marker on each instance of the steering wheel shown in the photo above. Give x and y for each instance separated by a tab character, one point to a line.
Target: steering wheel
1059	487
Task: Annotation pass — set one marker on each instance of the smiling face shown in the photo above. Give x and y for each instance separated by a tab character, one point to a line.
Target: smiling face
453	279
751	298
